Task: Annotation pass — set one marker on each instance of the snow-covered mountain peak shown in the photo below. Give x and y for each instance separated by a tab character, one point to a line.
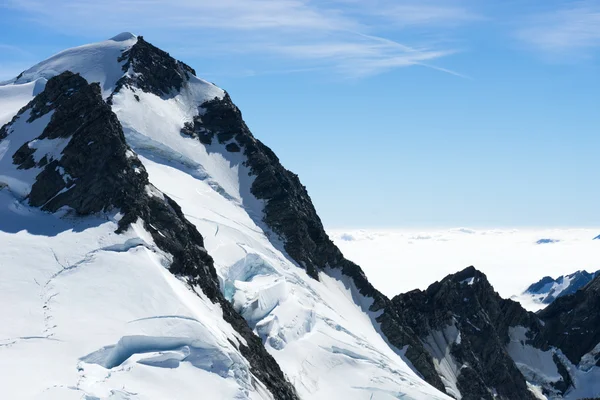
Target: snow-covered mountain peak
97	62
123	36
176	203
157	249
119	61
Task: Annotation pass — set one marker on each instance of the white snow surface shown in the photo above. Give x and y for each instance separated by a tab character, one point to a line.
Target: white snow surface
399	260
13	97
95	62
96	315
536	365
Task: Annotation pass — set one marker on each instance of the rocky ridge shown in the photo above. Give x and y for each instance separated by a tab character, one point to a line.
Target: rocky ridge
98	172
548	289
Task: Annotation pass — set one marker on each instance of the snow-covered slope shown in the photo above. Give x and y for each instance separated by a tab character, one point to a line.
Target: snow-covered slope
96	314
318	332
96	62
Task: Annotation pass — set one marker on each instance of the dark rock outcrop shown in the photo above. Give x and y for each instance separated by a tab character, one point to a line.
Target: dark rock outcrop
572	323
98	172
23	157
462	317
289	211
155	71
466	304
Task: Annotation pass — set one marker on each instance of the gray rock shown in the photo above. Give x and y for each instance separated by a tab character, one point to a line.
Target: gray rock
468	302
572	322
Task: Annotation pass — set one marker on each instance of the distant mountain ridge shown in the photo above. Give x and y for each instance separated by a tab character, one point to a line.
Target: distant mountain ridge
547	289
486	347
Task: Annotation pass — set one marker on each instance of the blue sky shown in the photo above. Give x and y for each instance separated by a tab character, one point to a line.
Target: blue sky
394	113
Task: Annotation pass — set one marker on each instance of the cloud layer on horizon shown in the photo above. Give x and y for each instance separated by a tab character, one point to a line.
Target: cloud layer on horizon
397	261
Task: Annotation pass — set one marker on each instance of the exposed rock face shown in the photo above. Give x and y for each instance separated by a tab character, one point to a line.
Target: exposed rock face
465	328
572	323
155	71
547	241
461	318
97	171
402	336
289	211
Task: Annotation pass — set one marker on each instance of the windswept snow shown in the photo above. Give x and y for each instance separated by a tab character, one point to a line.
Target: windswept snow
13	97
93	313
95	62
536	365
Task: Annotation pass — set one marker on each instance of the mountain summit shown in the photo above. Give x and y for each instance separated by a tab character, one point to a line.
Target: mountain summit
156	249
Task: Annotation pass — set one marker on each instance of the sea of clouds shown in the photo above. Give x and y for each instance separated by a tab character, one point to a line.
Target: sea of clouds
397	261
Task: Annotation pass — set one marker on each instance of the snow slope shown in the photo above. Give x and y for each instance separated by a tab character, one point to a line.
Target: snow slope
97	315
13	97
323	340
96	62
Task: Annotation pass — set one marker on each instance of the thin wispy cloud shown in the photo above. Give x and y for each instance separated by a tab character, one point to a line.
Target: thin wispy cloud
347	36
423	13
571	30
7	48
